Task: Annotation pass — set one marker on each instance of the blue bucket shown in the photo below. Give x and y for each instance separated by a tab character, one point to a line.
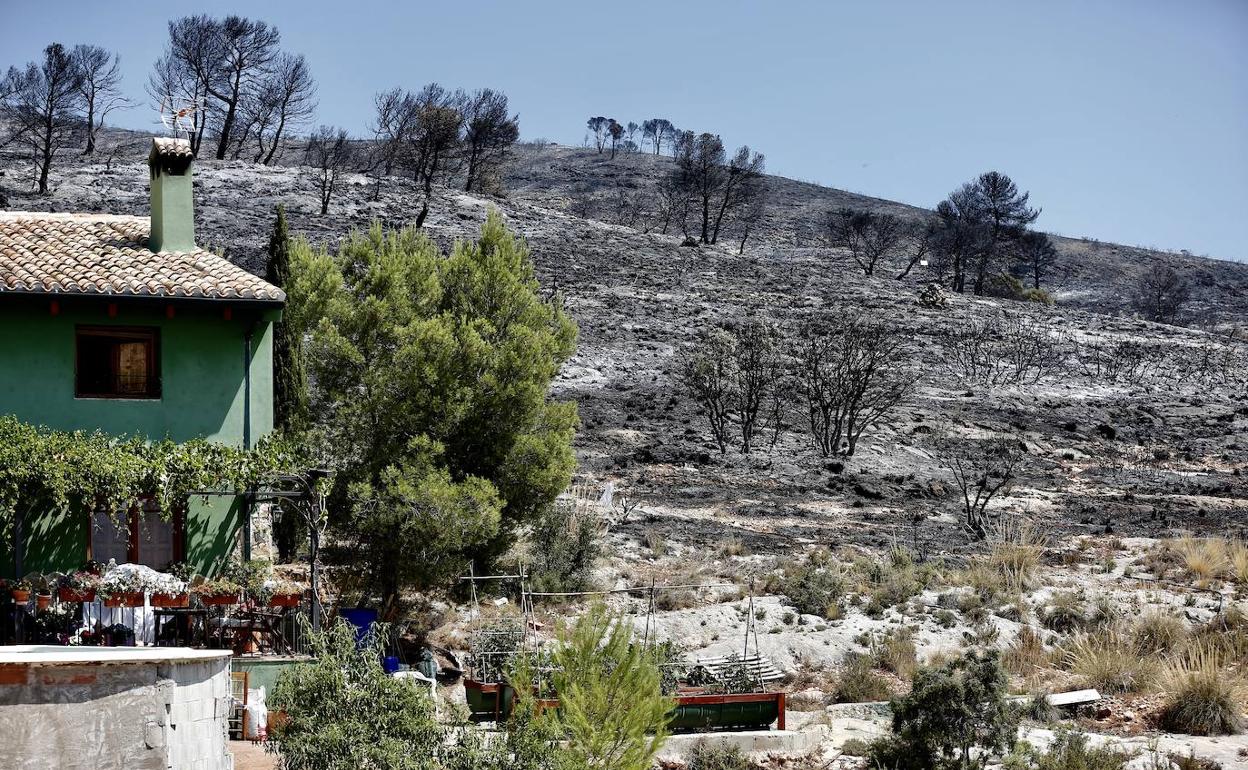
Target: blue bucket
362	619
390	663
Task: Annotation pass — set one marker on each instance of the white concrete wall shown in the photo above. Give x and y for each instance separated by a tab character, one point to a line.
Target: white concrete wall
110	715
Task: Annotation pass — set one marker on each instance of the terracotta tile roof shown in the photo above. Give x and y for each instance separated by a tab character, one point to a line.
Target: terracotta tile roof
166	145
97	254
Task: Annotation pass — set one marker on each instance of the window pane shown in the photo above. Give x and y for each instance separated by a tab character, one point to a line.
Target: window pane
155	541
108	540
95	363
132	368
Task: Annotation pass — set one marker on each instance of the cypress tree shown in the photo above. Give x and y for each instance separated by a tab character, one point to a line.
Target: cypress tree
290	385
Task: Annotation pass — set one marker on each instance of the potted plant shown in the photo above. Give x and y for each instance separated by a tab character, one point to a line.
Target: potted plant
219	591
283	593
167	590
118	635
20	590
78	586
122	585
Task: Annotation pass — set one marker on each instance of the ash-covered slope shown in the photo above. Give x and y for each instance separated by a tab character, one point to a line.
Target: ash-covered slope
1142	454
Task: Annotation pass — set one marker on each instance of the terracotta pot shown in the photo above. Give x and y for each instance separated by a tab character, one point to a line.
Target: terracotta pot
131	599
285	600
278	719
21	597
42	601
76	595
218	600
171	600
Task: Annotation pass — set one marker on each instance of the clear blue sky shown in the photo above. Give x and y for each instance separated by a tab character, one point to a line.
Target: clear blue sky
1127	120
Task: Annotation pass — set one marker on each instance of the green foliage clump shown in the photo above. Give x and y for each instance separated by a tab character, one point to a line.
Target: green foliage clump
50	469
567	541
1069	751
955	718
612	709
342	711
815	591
858	681
432	375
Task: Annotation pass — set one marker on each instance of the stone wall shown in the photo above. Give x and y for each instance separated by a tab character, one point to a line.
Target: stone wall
137	714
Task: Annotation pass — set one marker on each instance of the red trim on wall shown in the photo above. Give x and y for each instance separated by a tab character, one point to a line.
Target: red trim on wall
112	310
55	307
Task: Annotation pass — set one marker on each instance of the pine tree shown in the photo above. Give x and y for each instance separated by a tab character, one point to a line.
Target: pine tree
290	385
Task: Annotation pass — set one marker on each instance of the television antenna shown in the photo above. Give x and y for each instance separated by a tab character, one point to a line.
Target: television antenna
178	116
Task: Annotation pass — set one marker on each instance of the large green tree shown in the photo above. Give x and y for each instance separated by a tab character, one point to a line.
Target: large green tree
431	375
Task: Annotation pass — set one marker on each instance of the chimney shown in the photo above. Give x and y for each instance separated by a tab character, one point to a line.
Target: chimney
173	211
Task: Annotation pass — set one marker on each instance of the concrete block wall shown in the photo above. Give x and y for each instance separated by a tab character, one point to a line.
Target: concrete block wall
141	715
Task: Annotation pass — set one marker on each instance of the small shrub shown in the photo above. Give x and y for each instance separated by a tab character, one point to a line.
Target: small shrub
1064	614
1026	654
895	652
675	599
815	591
1204	699
858	681
855	747
1038	709
1070	751
717	755
655	541
953	713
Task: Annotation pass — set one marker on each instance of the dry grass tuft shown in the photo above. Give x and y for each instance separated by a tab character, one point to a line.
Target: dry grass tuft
1017	547
1108	661
1205	698
1026	655
1237	561
1203	558
1158	632
733	546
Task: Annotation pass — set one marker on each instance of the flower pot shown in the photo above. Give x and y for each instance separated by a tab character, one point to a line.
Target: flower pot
171	600
129	599
76	594
218	600
285	600
21	597
42	601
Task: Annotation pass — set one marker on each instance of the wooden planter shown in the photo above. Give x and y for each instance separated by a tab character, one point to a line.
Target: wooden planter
21	597
493	701
285	600
76	595
218	600
171	600
129	599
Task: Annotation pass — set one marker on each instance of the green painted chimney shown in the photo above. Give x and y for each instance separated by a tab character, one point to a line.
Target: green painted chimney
173	212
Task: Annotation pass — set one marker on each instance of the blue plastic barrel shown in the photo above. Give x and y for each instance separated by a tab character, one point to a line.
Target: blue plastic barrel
362	619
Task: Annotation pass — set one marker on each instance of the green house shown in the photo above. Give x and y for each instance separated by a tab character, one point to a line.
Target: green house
121	324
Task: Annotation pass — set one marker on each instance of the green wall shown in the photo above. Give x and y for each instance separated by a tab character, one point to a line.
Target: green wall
202	395
201	364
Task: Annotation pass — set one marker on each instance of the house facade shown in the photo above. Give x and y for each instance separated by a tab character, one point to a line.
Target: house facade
122	324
